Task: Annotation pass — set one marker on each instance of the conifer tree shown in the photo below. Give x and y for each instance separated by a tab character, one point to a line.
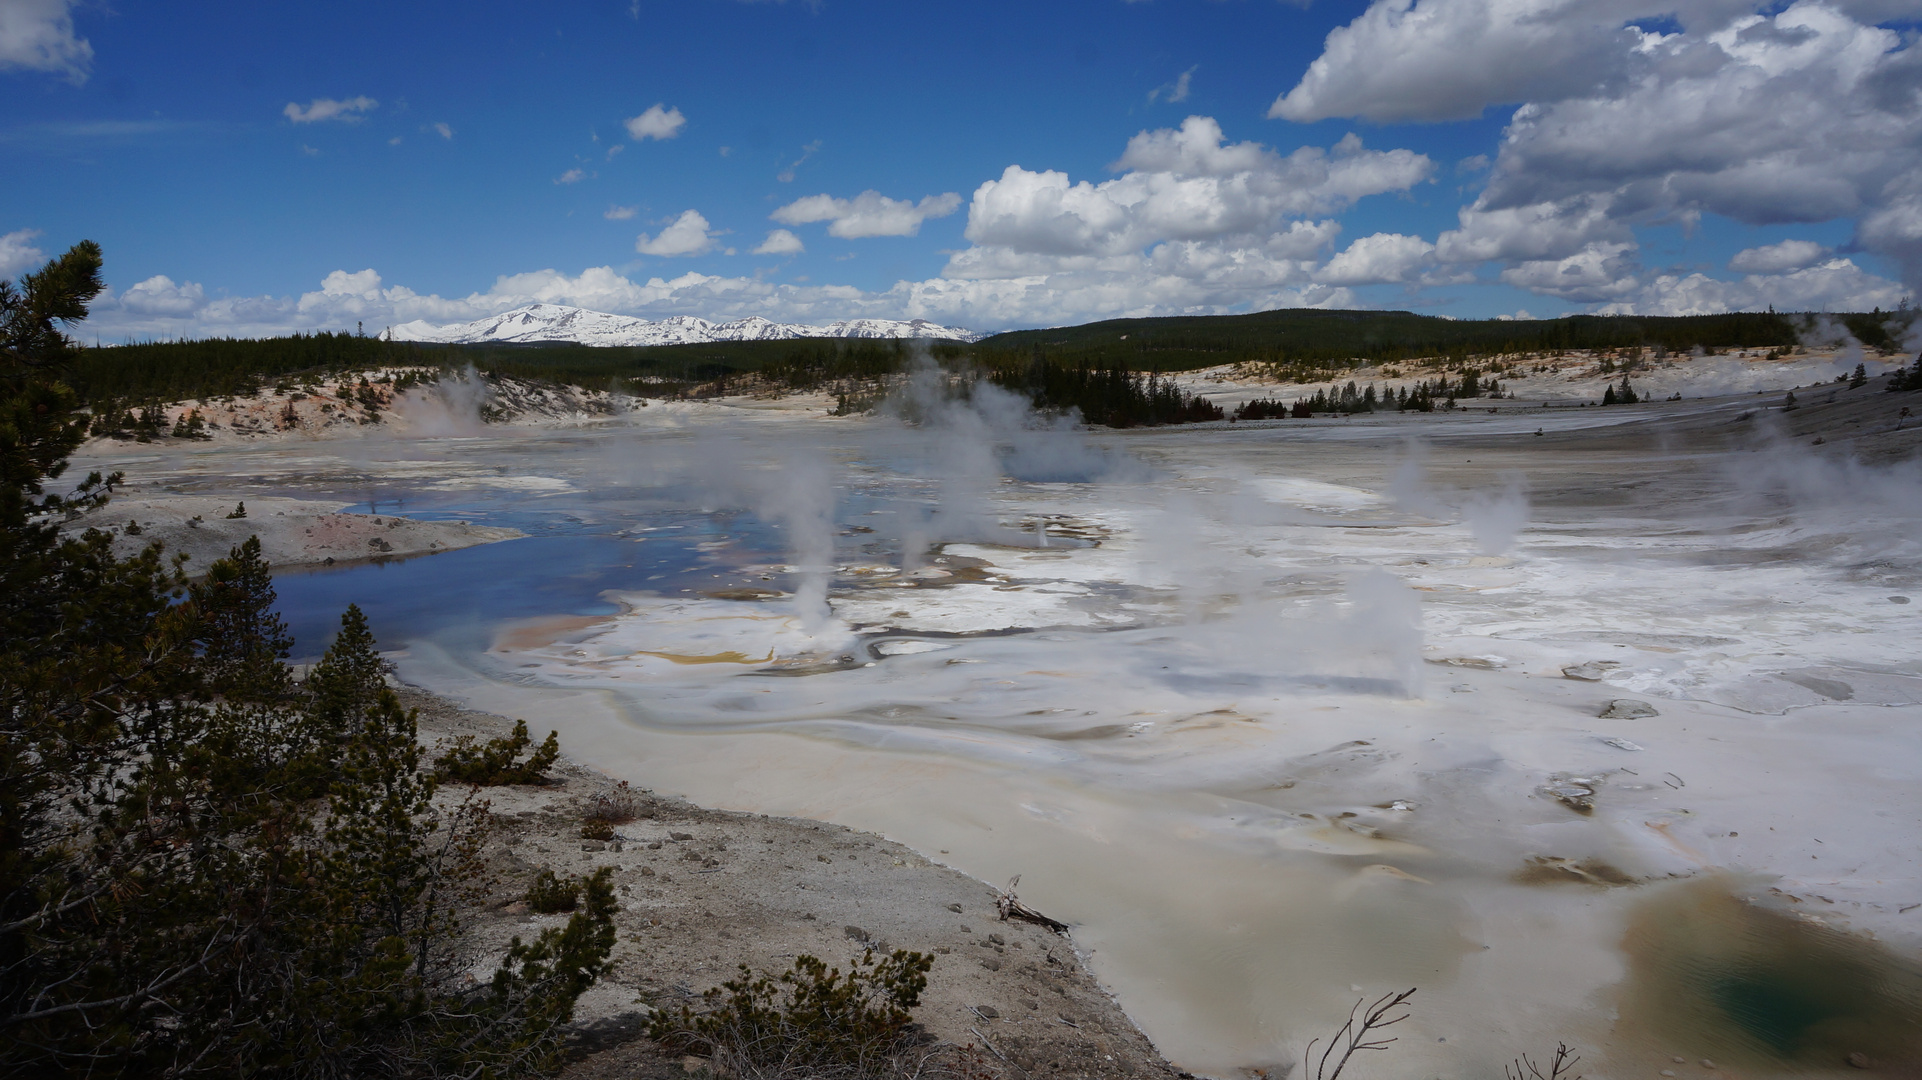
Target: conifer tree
172	902
243	640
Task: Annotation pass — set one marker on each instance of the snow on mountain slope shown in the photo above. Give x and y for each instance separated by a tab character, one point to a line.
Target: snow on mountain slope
557	322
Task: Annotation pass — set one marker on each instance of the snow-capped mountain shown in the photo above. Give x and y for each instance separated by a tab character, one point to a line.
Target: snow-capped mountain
557	322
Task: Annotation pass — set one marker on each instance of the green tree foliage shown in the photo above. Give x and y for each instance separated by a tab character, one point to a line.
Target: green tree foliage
495	762
811	1018
549	894
1110	395
207	869
1321	339
1262	409
234	367
126	381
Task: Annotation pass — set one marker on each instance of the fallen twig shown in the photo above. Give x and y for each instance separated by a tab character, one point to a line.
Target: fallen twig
992	1049
1012	908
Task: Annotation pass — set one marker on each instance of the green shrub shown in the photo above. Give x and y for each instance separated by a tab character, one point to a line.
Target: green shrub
811	1017
550	895
492	764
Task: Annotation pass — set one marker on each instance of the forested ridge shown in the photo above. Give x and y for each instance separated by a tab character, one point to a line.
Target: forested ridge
177	370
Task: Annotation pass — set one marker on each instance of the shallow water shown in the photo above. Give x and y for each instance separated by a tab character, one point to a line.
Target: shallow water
1273	715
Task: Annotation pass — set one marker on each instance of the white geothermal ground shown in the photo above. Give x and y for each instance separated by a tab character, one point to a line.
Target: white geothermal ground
1278	716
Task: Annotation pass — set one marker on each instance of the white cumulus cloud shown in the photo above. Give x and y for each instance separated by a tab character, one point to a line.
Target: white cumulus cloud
1450	59
1763	114
1600	271
685	235
18	255
780	242
1383	257
1835	285
655	123
620	213
867	214
160	295
1773	258
1180	185
351	110
38	35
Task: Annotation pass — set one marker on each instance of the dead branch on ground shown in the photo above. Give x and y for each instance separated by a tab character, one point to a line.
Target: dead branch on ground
1012	908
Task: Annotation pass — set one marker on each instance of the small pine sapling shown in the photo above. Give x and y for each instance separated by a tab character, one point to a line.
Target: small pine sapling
493	764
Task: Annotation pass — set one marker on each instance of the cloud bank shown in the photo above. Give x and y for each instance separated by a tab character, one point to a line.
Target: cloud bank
1189	222
1805	114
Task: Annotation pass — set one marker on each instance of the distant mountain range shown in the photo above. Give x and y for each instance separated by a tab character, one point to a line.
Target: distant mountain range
556	322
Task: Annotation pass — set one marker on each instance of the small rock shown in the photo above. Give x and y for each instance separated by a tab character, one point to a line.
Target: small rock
956	908
991	965
997	939
1575	792
647	871
855	932
1898	599
823	858
965	929
1627	709
1859	1060
1623	744
593	845
1707	1064
1668	1072
1593	671
988	1011
680	836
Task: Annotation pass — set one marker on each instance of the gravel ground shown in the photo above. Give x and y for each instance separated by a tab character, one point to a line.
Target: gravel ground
703	891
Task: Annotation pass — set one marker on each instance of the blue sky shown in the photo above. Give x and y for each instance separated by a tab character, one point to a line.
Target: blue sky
256	168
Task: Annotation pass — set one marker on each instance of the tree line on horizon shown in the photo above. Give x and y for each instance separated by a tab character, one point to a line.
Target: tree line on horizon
1086	361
